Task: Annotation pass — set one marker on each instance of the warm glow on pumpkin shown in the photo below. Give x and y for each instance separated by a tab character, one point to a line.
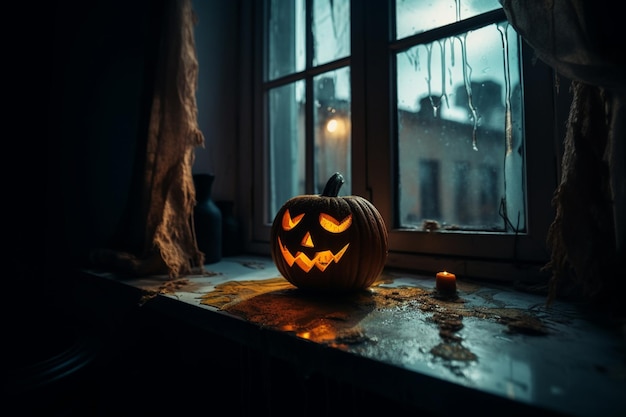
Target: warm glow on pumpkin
321	260
307	241
327	242
333	225
289	223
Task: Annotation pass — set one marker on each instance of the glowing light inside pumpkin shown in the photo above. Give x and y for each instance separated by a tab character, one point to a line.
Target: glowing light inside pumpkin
321	260
333	225
327	221
307	241
289	222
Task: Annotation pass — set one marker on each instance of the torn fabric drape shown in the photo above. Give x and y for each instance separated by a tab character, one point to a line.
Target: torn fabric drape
162	221
585	42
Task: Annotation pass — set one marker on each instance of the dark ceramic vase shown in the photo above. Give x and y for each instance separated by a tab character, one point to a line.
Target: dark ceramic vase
207	219
231	238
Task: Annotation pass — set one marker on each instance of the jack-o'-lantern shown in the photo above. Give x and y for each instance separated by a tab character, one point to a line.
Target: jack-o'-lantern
329	243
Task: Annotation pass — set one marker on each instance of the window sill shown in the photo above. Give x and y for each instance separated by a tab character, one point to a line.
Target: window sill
494	349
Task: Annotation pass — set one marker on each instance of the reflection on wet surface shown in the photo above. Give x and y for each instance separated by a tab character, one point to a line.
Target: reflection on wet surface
335	319
492	338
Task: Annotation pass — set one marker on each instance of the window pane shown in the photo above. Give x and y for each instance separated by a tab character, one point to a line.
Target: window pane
286	146
286	38
460	150
417	16
331	30
332	127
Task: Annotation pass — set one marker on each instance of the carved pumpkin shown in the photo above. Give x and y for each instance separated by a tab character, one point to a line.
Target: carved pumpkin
329	243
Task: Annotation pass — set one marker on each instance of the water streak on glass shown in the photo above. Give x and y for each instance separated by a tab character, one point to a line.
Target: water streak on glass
331	30
413	57
436	101
508	124
286	40
467	80
429	78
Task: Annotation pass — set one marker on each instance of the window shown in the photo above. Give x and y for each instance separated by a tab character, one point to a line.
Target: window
454	89
306	88
434	111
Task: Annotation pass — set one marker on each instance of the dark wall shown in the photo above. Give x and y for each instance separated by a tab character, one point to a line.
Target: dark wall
102	67
218	36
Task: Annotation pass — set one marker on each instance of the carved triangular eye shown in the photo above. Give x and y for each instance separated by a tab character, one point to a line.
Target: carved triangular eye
289	222
333	225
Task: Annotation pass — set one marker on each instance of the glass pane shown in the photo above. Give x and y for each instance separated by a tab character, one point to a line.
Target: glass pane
286	146
417	16
331	30
460	147
286	38
332	127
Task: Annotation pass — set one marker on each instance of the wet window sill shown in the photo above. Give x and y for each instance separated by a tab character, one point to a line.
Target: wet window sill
490	348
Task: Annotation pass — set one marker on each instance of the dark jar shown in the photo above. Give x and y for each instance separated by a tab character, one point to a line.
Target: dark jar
207	219
231	236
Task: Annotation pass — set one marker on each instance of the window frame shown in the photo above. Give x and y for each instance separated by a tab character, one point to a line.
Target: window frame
473	254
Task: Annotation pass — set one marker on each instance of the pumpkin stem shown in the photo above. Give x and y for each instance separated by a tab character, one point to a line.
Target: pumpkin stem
333	185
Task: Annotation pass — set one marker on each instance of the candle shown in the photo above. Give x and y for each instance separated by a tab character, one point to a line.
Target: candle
445	282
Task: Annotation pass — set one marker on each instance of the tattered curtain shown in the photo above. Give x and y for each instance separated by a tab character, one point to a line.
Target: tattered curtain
585	42
159	238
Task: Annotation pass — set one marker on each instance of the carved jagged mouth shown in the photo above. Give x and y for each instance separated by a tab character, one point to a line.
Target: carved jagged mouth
321	260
